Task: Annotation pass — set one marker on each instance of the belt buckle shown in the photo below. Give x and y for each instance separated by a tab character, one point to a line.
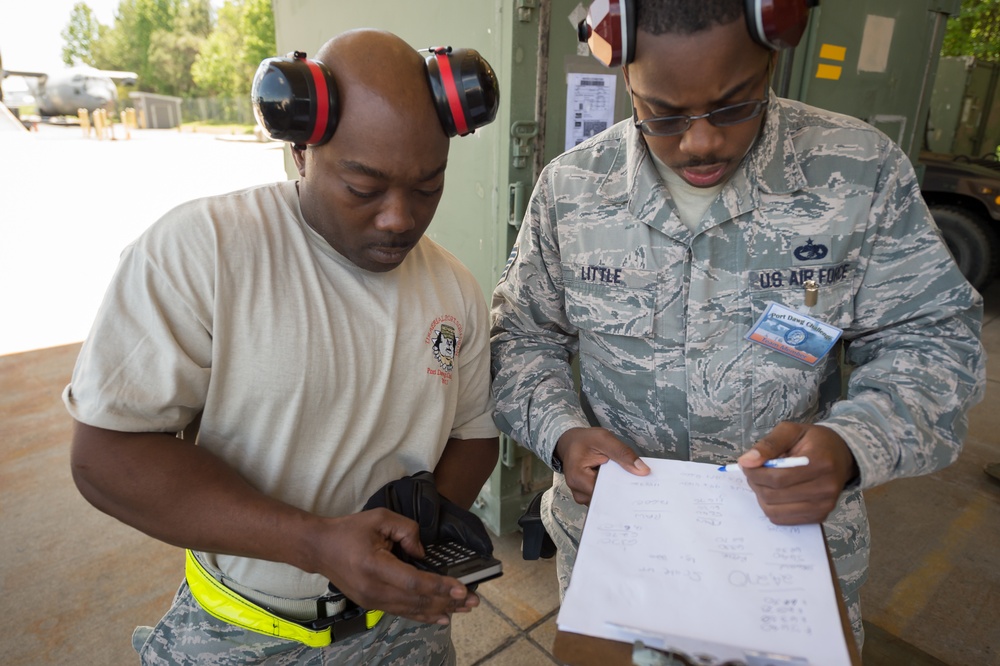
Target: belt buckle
350	622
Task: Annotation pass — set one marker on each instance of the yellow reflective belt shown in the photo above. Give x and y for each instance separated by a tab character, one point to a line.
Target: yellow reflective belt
372	617
221	602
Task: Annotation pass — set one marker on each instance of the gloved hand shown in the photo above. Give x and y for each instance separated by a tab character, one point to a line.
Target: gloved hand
440	519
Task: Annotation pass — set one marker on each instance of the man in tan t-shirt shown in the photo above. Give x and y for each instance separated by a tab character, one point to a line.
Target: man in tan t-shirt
295	327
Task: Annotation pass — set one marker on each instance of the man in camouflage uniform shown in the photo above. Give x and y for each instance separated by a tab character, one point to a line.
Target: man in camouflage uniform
649	256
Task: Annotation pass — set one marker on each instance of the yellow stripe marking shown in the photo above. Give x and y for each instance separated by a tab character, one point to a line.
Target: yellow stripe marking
831	52
911	594
831	72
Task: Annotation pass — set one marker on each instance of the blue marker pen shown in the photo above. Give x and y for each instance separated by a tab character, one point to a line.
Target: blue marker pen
776	463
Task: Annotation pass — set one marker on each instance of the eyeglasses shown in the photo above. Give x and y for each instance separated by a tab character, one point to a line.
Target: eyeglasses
724	117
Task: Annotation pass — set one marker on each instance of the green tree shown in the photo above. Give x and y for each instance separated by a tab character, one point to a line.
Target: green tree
171	55
243	36
126	44
257	28
106	50
157	39
79	35
172	52
218	68
975	31
177	47
195	17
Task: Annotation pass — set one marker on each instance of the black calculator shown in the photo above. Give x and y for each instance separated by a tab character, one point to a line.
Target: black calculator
450	558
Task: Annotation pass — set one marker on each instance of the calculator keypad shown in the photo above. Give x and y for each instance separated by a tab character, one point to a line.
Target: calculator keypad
447	553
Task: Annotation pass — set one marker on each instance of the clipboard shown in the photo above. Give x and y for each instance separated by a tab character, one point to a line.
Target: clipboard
621	606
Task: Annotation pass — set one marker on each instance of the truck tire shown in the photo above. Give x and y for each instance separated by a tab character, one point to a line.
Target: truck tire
970	241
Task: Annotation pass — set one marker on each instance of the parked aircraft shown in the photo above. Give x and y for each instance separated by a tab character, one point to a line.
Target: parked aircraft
63	93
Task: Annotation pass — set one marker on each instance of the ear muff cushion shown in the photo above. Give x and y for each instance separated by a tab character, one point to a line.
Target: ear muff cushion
324	108
777	24
464	88
444	83
295	100
609	31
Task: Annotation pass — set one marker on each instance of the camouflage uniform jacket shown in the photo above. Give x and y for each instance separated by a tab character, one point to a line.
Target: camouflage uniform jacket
604	271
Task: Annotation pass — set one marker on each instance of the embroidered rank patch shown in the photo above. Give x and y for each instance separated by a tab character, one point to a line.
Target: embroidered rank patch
810	249
794	334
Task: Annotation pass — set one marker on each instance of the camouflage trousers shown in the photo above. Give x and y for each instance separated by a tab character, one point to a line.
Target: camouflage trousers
564	519
189	635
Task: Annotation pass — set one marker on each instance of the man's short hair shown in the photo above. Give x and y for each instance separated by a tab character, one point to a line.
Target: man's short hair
685	17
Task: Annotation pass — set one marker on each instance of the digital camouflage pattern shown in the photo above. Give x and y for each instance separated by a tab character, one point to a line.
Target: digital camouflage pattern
604	271
187	635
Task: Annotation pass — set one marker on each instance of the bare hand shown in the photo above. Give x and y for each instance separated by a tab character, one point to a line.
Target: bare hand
583	451
358	559
798	495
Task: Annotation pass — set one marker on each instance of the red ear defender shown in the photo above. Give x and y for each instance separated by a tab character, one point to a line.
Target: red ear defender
609	31
464	87
295	99
778	24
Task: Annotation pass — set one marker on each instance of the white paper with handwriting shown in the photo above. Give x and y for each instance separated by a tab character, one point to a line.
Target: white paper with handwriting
684	558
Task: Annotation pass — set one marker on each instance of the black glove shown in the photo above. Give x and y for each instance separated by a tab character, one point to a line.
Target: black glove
440	519
415	497
463	526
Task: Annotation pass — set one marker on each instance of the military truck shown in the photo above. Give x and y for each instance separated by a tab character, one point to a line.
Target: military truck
963	194
962	175
878	60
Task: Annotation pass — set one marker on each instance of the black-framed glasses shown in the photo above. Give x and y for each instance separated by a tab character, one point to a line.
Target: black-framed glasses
723	117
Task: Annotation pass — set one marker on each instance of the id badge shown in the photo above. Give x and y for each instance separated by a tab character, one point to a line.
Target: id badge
794	334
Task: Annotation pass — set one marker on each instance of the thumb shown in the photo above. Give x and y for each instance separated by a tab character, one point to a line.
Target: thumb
776	443
403	531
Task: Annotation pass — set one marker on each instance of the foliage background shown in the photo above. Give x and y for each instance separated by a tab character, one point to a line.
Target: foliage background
186	48
182	48
975	31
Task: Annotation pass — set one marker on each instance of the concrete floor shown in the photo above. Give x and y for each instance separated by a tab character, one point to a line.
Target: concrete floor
75	582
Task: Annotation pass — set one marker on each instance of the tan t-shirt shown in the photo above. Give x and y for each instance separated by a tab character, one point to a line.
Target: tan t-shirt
692	202
319	381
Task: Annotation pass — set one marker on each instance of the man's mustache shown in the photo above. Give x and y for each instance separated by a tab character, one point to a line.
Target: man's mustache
710	160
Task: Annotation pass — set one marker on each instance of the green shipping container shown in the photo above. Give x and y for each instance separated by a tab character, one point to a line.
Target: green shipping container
873	59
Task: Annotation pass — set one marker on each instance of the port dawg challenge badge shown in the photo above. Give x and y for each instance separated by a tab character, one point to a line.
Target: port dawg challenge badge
794	334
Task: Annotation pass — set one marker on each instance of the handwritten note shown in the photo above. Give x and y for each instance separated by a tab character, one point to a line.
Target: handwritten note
684	558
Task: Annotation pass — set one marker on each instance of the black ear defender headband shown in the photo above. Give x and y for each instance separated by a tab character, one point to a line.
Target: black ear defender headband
295	99
609	28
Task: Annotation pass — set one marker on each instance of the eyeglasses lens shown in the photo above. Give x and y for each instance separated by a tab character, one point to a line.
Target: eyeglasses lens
737	113
724	117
